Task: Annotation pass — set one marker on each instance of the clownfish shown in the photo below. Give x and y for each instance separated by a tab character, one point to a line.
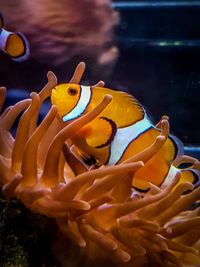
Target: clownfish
13	44
119	132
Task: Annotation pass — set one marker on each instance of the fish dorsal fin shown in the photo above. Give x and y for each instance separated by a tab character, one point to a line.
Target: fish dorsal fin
124	109
172	148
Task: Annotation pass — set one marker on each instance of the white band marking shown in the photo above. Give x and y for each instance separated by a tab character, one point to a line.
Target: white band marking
170	176
82	104
123	138
3	38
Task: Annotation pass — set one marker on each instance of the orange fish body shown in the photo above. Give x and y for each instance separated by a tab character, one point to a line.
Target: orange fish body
13	44
119	132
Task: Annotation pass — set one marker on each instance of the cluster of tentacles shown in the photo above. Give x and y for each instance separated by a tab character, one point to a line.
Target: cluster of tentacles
96	208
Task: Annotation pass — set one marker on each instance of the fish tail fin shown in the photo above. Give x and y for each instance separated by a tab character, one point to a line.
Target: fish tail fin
190	176
174	151
15	45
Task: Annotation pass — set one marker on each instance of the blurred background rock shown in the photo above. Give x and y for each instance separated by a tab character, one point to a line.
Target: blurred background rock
60	34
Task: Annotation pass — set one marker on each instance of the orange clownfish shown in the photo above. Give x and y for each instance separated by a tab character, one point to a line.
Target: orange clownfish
119	132
13	44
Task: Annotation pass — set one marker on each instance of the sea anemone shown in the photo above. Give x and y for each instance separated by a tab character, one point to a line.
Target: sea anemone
96	208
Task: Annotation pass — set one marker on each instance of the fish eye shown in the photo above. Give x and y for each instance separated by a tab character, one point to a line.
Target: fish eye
72	91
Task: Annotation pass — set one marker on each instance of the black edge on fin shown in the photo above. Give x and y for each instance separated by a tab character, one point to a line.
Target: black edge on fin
196	181
196	177
141	190
114	130
175	146
179	147
26	47
88	160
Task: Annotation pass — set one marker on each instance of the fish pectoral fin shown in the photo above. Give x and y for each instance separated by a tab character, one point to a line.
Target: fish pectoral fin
102	132
87	159
99	132
140	185
84	156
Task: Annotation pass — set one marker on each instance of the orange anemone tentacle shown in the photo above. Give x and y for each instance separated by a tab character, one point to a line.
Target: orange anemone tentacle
10	117
88	232
127	207
23	133
50	171
46	90
100	187
69	191
156	209
78	73
29	167
76	165
181	204
9	188
99	84
2	96
164	117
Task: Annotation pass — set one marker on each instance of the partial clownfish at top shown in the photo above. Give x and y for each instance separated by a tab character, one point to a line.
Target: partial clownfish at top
119	132
13	44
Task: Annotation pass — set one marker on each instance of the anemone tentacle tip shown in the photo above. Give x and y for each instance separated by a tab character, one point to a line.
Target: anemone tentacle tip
97	209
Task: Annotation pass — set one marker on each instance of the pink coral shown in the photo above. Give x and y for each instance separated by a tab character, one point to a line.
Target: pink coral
97	208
